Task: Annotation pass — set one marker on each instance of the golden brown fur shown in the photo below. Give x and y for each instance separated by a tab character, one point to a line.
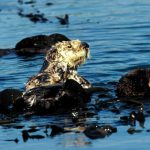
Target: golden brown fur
61	63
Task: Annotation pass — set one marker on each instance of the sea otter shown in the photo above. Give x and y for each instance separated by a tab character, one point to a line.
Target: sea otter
135	83
58	85
61	63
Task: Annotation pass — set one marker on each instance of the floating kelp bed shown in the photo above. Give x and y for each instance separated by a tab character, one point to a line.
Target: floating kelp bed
98	119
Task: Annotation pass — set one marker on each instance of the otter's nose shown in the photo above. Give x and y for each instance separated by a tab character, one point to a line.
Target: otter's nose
85	45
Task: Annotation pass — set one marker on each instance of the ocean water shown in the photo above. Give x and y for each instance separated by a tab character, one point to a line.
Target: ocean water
118	33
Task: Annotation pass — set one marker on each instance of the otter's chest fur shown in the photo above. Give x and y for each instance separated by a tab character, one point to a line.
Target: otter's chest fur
56	73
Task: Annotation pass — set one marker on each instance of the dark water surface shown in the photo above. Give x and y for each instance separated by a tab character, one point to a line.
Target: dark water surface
118	33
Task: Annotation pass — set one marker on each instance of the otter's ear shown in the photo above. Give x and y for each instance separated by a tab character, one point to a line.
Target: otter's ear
85	45
51	54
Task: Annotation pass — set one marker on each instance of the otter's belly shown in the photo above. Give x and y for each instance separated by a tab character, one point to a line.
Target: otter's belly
55	98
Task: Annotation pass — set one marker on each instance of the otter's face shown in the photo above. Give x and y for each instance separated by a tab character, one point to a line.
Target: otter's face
74	52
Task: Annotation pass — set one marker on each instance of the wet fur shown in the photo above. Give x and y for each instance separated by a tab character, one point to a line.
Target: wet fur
61	63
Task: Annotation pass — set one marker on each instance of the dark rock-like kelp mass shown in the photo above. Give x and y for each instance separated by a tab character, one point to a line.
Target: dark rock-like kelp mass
38	44
135	83
53	99
31	46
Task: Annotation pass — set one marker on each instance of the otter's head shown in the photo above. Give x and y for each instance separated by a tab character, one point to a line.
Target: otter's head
74	53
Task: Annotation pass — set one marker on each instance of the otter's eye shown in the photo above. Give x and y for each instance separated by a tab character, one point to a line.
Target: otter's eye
69	46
